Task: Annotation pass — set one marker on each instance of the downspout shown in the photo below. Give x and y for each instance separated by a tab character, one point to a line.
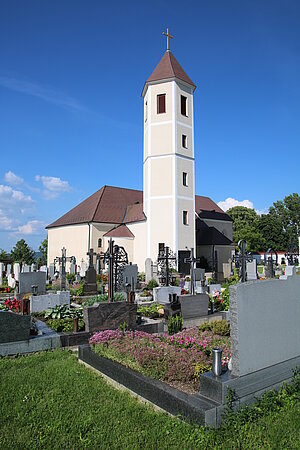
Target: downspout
89	240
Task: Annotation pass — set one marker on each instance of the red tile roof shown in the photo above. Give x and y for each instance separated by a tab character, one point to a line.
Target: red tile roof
108	205
119	232
119	206
167	68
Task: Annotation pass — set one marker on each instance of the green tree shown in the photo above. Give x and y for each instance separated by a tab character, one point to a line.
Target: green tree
22	253
287	214
43	248
245	226
4	256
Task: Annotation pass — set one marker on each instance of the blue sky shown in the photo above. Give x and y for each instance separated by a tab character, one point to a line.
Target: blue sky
71	113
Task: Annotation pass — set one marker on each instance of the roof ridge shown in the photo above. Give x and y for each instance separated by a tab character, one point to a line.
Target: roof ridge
98	203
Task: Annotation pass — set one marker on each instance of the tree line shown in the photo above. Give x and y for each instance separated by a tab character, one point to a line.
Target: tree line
22	253
277	229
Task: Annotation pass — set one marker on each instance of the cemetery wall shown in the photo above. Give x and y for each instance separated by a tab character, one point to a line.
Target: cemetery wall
74	238
264	321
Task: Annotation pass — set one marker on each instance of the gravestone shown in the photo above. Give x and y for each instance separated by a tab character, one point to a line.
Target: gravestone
148	270
39	303
14	327
251	270
90	283
201	287
107	316
199	274
17	271
227	270
288	272
161	294
43	269
33	267
51	270
83	268
72	268
130	275
1	272
8	269
27	280
11	281
193	306
214	288
25	268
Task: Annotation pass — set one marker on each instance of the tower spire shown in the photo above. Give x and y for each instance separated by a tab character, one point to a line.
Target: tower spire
168	36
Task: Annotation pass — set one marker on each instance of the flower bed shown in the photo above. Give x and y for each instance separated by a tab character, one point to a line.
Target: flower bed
13	305
178	360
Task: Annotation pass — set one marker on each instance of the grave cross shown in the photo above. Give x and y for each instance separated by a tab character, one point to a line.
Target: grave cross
191	261
166	260
270	262
62	261
117	258
292	254
241	259
91	255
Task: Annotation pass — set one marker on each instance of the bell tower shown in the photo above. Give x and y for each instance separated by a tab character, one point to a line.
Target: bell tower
169	169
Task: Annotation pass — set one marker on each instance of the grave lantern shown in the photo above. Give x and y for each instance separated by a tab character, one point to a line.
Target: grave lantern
217	361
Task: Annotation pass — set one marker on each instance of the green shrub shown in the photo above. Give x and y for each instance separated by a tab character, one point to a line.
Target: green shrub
141	276
63	312
152	284
70	277
64	325
220	327
149	311
175	324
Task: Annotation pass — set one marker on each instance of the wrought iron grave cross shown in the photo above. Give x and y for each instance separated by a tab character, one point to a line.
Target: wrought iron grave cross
292	254
191	261
166	260
62	260
91	255
241	260
270	262
117	258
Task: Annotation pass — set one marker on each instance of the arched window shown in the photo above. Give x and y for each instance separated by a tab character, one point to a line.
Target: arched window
99	243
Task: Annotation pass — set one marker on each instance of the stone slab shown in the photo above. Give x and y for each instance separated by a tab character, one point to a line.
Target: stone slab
161	294
193	306
39	303
28	279
192	407
105	316
14	327
34	344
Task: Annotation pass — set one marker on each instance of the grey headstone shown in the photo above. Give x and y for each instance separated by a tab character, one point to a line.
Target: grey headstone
251	270
33	267
11	281
51	270
25	268
43	269
199	274
14	327
17	271
1	272
27	280
106	316
39	303
130	275
214	287
193	306
226	270
148	270
8	269
161	294
83	268
72	268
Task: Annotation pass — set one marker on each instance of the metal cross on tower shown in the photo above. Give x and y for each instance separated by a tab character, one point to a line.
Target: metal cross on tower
166	260
168	36
191	261
62	260
241	260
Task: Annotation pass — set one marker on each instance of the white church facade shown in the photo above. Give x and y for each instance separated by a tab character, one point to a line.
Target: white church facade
167	210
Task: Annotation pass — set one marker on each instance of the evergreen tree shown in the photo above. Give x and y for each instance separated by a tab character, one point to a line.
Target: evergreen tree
22	253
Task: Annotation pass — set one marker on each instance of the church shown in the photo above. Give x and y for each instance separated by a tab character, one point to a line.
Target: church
167	211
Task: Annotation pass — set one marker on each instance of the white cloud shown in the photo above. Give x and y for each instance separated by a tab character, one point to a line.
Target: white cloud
10	197
47	94
53	186
231	202
12	178
6	224
30	228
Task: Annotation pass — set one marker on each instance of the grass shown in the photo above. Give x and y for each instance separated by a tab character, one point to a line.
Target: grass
49	401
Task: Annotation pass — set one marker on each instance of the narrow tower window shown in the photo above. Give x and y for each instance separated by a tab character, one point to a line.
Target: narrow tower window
185	217
161	103
99	243
184	141
184	178
146	111
183	105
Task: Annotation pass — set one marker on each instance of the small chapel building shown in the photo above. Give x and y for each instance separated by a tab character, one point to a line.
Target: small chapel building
167	210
